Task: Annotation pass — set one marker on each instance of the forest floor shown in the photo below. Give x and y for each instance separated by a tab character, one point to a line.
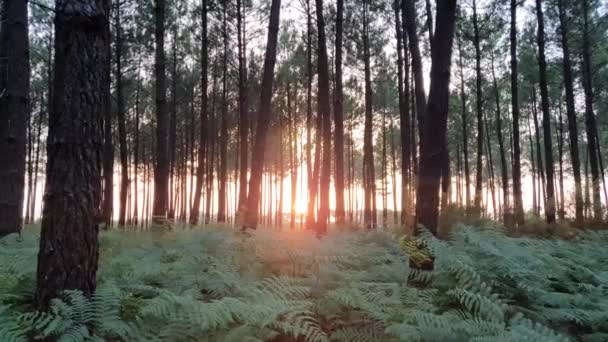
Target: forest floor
219	284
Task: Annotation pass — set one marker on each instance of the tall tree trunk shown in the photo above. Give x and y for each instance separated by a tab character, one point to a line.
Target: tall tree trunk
293	155
120	115
409	9
70	218
539	155
544	93
479	111
535	201
465	125
560	148
202	138
30	164
136	146
590	122
223	166
571	113
490	166
257	160
325	112
369	178
517	191
243	115
501	146
172	143
434	138
404	110
310	179
161	169
339	117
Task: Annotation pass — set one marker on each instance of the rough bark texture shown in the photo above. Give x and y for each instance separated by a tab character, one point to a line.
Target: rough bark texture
68	244
257	160
14	112
544	94
161	168
202	138
339	117
571	113
434	136
517	195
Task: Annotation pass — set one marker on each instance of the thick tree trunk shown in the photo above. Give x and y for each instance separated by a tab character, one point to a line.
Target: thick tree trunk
195	210
68	254
434	138
544	93
14	112
590	122
257	160
571	114
339	117
161	169
517	191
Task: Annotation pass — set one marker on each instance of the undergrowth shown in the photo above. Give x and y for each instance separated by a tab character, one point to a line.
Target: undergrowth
223	285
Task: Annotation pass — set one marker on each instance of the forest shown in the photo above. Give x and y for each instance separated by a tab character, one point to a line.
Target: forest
303	170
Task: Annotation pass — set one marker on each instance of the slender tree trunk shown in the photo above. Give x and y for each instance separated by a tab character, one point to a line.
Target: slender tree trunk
243	115
434	138
384	175
501	146
544	94
120	116
310	179
172	142
590	122
479	111
161	169
202	138
560	149
368	150
339	117
223	166
70	218
465	126
490	166
571	114
409	9
539	156
136	147
257	160
404	110
517	190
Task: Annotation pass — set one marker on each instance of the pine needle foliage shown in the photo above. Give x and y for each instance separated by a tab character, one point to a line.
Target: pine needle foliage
222	285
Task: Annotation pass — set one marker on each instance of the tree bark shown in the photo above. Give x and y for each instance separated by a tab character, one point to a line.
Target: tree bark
544	93
404	110
517	191
202	138
223	166
479	112
571	113
434	138
465	125
68	252
14	113
590	122
243	117
257	160
339	117
369	178
161	169
120	115
501	146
